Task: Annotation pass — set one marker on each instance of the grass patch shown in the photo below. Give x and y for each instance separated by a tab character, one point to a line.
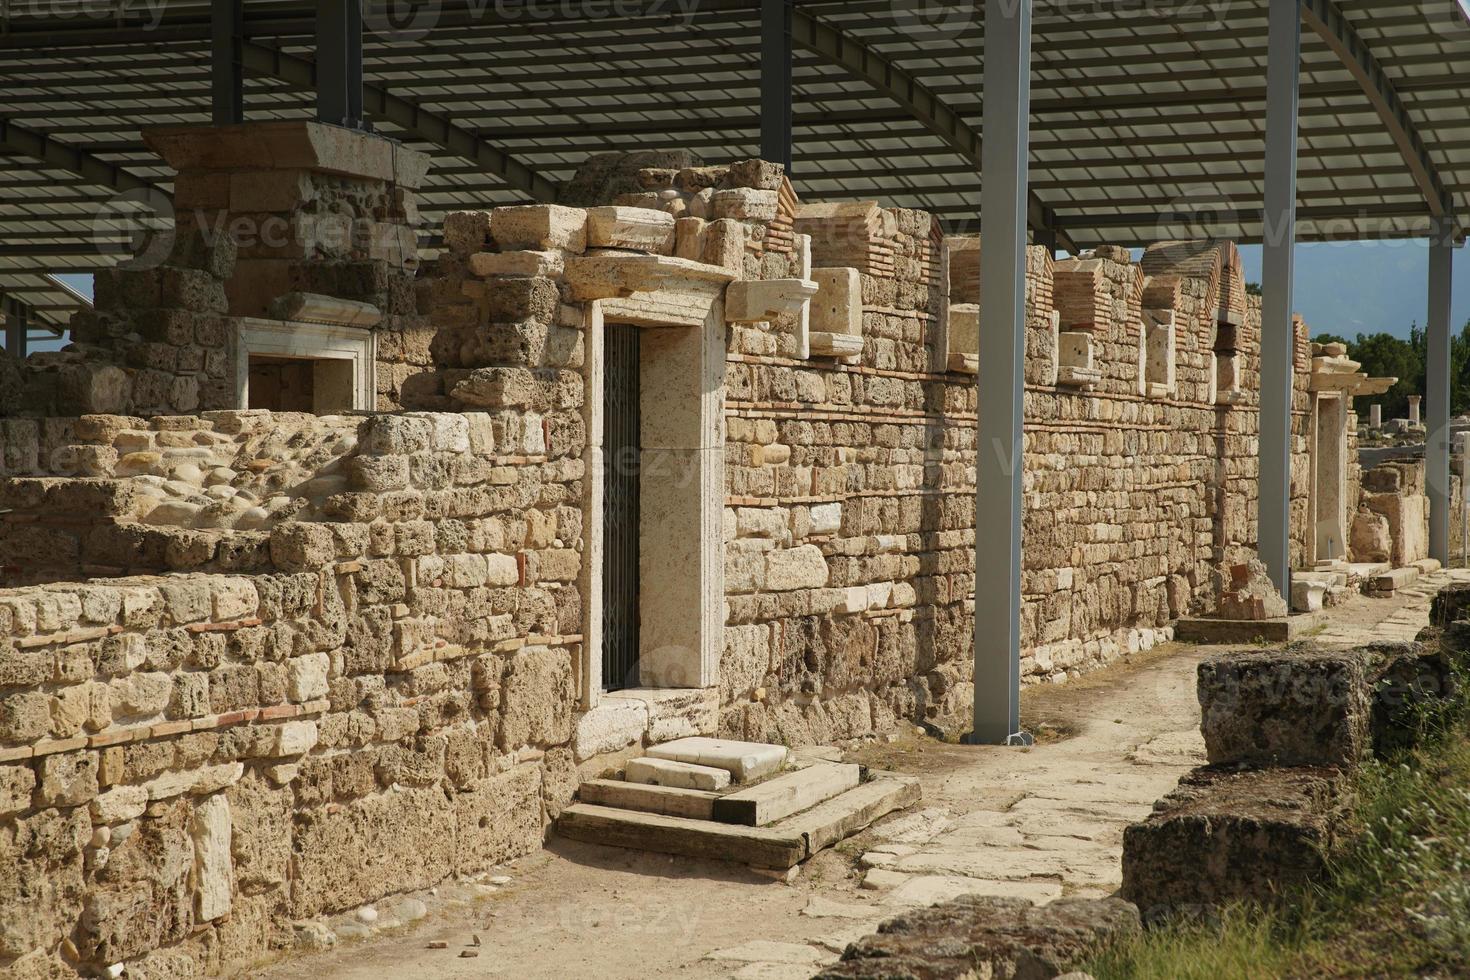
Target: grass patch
1396	901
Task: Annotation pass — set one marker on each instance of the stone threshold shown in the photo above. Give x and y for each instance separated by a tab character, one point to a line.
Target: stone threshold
644	716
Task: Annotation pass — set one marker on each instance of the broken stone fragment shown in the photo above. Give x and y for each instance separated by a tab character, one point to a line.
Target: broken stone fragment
980	935
637	229
539	226
1227	836
1290	707
756	300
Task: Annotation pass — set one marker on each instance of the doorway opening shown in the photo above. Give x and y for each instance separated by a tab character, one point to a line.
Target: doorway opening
622	442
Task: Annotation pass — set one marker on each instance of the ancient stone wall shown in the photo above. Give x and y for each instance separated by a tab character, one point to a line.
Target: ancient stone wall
257	666
192	762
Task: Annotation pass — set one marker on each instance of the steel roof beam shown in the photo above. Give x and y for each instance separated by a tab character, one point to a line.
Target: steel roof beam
37	145
410	117
905	89
1329	23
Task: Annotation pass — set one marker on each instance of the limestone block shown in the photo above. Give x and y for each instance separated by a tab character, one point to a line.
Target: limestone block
120	804
498	819
302	547
675	712
502	570
756	300
744	204
318	308
539	226
1285	708
838	305
16	785
614	724
639	229
527	262
466	232
210	831
234	598
1306	595
140	695
294	738
1225	836
536	699
681	775
761	522
68	778
378	474
497	387
854	600
306	677
980	935
397	435
847	347
796	568
745	761
186	599
964	328
24	716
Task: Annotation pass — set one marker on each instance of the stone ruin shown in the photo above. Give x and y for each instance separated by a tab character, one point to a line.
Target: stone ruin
309	550
1284	730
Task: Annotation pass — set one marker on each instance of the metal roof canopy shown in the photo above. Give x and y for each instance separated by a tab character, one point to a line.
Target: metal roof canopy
1147	122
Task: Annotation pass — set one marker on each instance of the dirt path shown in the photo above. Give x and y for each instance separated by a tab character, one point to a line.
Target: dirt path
1036	822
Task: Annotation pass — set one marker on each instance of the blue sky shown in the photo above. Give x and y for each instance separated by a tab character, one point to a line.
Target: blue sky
1347	288
1344	288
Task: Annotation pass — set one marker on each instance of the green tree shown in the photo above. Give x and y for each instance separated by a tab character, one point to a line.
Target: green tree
1383	355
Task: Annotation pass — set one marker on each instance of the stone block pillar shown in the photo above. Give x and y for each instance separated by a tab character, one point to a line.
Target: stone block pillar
314	209
1375	416
1414	401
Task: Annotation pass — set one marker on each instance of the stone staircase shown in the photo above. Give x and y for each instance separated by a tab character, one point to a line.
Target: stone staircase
745	802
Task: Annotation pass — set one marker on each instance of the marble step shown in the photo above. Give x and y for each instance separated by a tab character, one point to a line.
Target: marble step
779	845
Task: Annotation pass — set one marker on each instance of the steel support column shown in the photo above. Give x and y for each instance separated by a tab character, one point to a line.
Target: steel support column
1003	198
776	82
227	73
339	62
1283	95
15	328
1437	385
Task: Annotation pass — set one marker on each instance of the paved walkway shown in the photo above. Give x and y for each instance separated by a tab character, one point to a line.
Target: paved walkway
1037	822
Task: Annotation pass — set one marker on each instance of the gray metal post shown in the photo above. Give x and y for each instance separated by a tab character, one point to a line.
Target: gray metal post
998	462
1283	93
15	329
776	54
1437	385
227	88
339	62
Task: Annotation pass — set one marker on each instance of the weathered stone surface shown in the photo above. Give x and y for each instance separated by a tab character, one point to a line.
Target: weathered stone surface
537	699
16	786
539	226
1227	835
210	830
1293	707
977	935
